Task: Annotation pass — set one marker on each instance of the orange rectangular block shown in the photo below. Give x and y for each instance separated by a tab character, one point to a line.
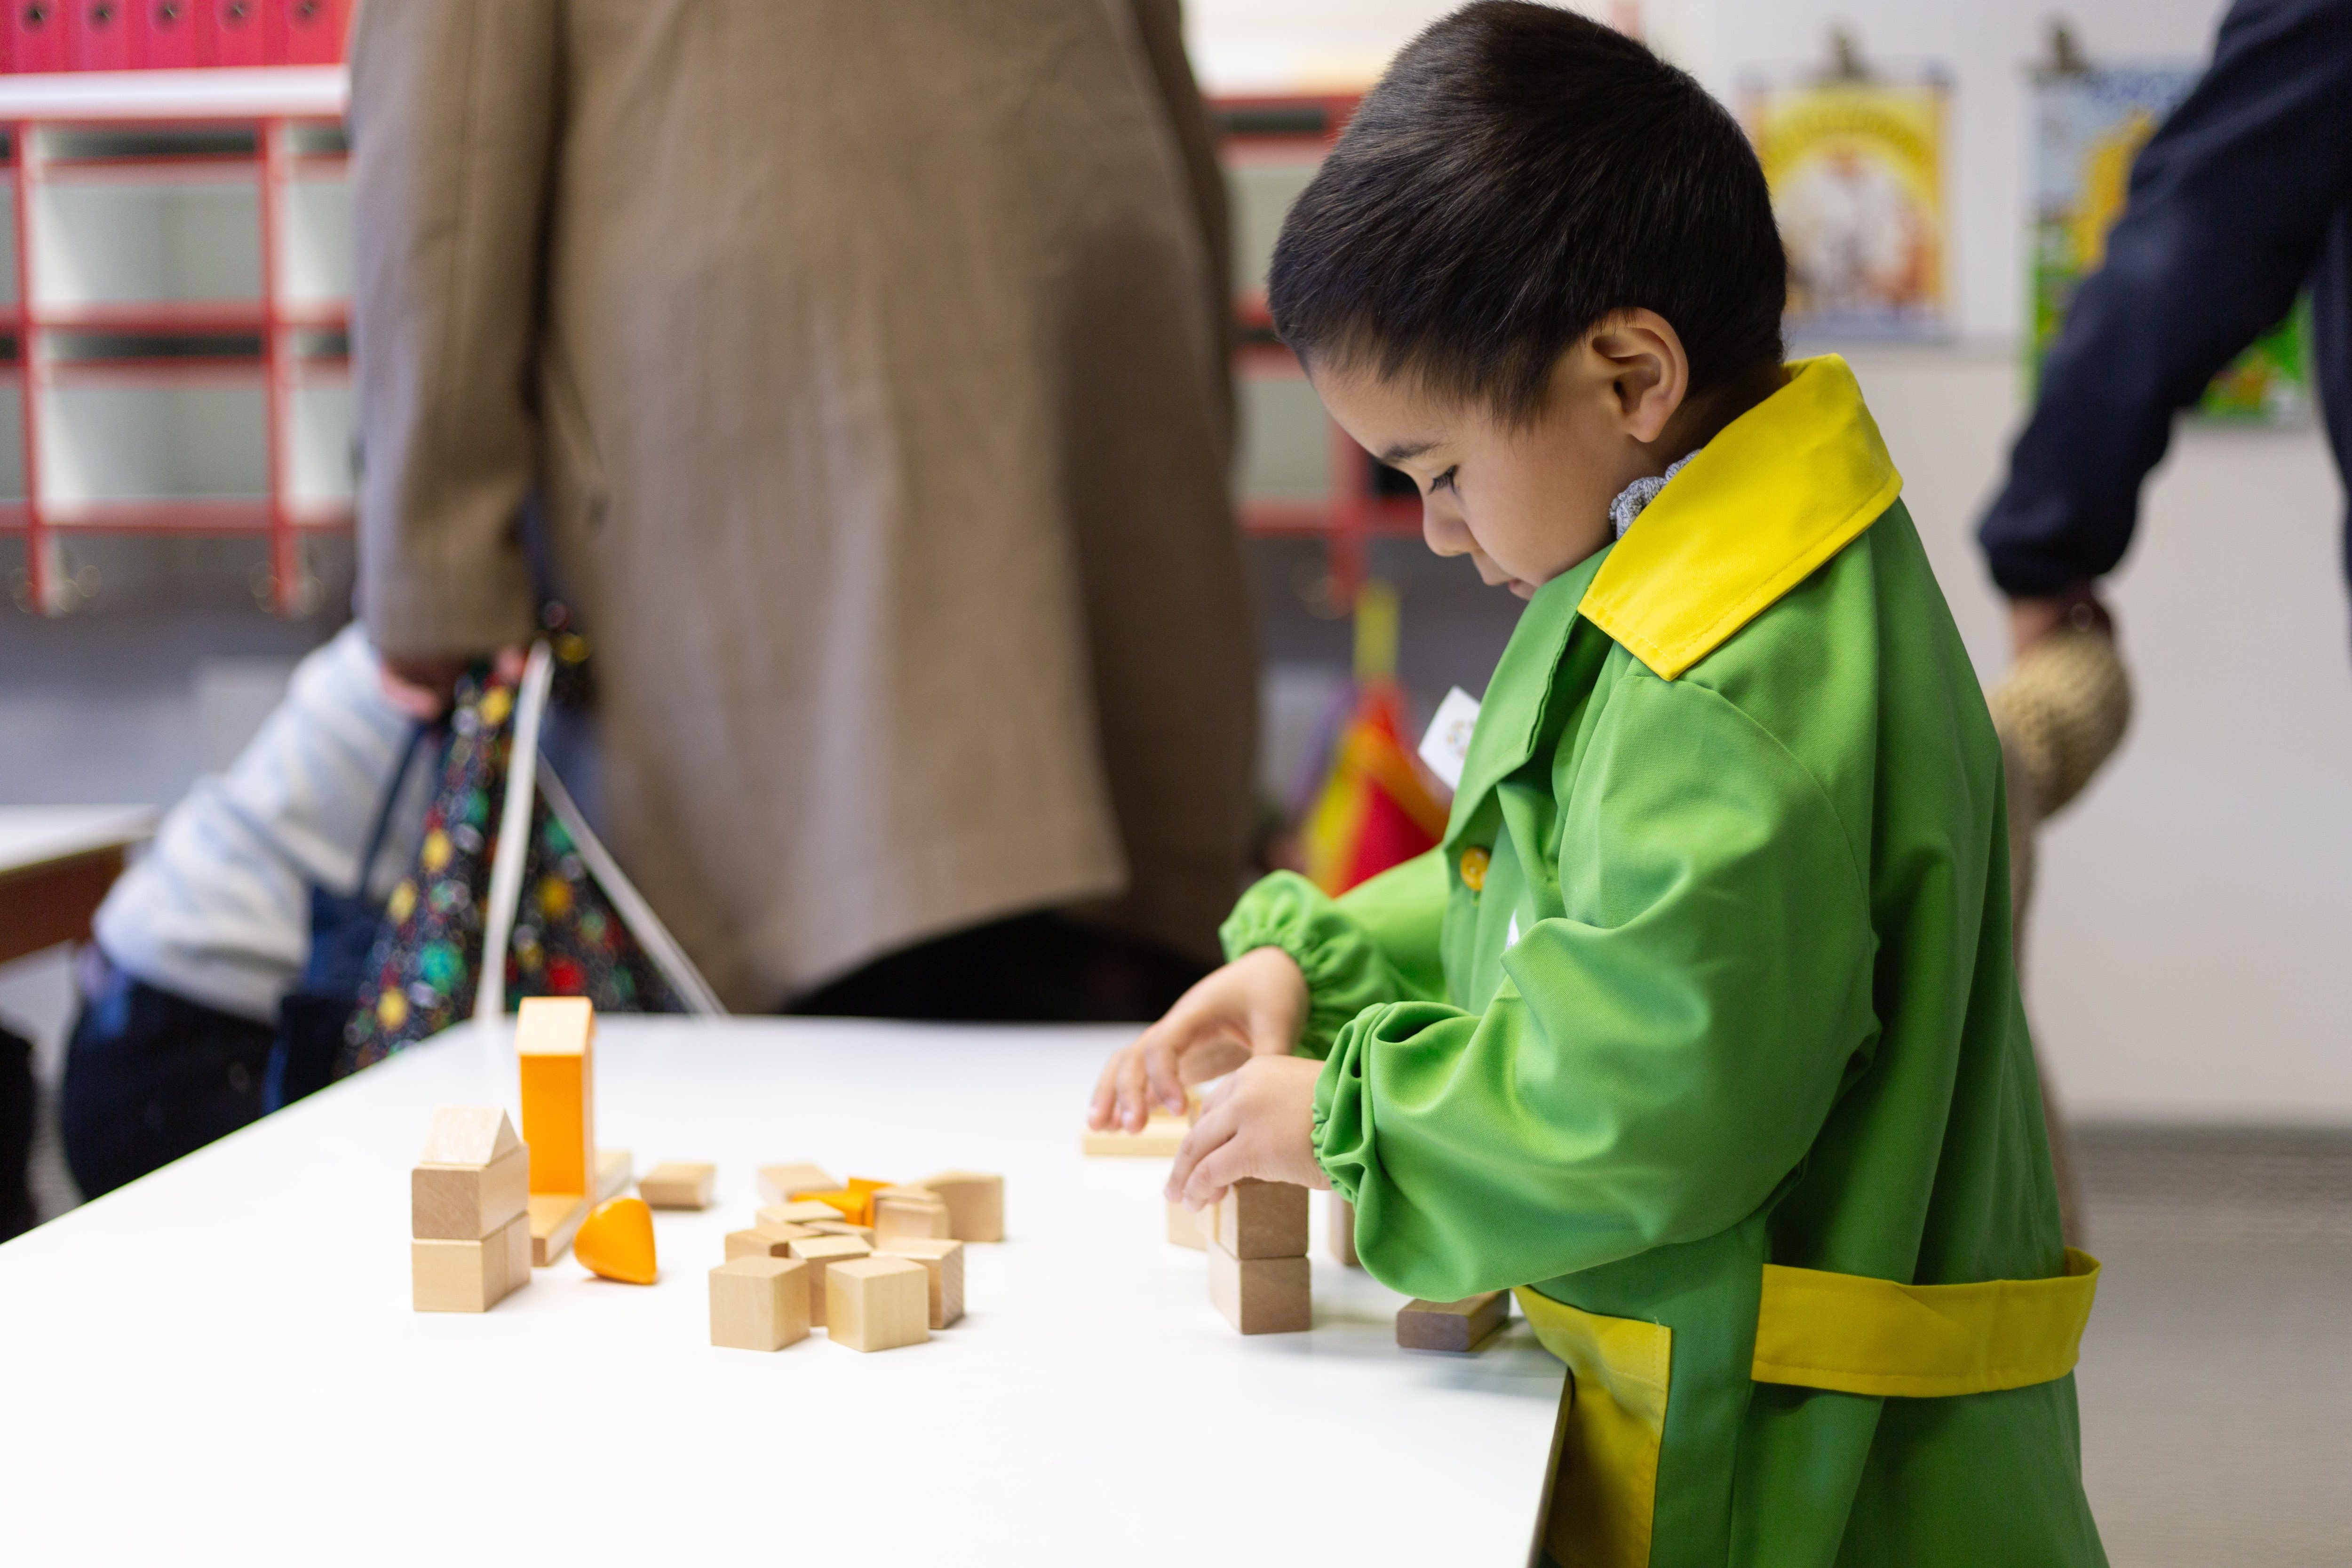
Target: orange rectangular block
555	1040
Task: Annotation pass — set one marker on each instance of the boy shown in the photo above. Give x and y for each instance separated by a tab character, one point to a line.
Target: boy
1700	1024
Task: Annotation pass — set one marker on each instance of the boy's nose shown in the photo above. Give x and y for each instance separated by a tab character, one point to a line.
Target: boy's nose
1442	531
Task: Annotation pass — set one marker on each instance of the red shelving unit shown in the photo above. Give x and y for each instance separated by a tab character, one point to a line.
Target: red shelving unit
179	310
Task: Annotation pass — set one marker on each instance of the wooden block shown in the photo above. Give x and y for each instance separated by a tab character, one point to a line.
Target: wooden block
778	1182
468	1135
1339	1214
612	1173
679	1186
878	1304
846	1203
1163	1135
554	1220
1184	1228
864	1233
759	1303
1463	1325
760	1243
820	1253
945	1261
781	1230
468	1202
1263	1219
555	1041
805	1212
1261	1295
908	1216
468	1276
976	1203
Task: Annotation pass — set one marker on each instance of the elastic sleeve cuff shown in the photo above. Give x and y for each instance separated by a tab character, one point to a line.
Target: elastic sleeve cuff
1345	971
1343	1114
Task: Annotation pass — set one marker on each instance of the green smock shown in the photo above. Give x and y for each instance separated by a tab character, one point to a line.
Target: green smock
1730	987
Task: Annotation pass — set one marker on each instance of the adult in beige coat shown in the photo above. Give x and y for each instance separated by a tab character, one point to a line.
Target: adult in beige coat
870	360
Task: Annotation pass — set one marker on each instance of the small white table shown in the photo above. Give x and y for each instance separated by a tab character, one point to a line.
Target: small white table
56	865
222	1355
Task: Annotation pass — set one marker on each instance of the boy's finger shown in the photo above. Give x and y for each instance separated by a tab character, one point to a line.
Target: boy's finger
1215	1172
1208	1134
1104	1099
1166	1083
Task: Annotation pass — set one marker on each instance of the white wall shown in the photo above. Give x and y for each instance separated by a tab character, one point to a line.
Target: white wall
2195	916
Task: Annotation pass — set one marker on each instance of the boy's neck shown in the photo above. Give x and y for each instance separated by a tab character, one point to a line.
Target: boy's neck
1701	419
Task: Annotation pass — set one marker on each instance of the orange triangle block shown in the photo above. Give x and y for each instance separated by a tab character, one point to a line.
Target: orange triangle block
617	1241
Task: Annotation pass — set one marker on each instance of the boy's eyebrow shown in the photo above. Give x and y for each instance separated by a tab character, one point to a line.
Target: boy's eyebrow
1397	454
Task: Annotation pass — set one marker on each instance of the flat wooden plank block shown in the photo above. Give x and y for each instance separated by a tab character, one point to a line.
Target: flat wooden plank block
944	1259
1263	1219
1341	1216
908	1216
805	1212
1184	1228
1261	1295
1461	1325
975	1201
821	1252
864	1233
781	1230
759	1303
465	1276
613	1168
1161	1136
468	1135
780	1181
554	1039
554	1219
760	1241
677	1185
466	1203
878	1304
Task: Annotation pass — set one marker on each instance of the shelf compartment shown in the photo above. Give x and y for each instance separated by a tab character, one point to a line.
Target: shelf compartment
314	244
321	462
118	438
191	242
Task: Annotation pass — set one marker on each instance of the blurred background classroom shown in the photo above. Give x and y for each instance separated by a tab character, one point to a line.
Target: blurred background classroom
178	395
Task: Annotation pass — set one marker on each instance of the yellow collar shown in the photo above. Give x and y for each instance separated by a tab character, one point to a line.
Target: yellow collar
1783	488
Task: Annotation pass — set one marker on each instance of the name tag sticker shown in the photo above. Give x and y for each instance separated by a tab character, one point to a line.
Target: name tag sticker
1447	746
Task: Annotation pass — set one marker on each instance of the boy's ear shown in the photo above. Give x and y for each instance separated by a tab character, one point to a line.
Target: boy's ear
1640	356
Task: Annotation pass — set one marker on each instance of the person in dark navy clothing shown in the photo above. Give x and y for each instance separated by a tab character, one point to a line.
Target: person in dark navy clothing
2242	199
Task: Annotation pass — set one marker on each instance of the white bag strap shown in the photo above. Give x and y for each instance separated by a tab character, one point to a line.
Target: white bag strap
629	904
514	836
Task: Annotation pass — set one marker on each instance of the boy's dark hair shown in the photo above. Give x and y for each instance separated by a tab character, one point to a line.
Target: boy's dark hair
1518	173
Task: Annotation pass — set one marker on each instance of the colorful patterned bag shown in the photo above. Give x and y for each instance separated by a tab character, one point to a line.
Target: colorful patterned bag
566	919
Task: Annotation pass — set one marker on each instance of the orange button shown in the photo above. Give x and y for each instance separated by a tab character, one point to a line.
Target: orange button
1474	868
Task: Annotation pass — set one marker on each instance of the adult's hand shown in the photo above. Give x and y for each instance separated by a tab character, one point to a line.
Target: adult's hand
423	688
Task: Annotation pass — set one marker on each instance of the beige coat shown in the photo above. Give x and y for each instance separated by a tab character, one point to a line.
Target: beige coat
870	355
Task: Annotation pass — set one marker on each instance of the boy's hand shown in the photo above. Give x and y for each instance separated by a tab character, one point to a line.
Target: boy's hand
1254	1007
1260	1123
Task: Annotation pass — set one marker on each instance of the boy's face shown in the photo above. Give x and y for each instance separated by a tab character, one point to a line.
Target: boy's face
1525	502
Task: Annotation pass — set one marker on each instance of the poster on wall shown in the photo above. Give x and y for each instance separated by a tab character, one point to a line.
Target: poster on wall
2089	124
1856	167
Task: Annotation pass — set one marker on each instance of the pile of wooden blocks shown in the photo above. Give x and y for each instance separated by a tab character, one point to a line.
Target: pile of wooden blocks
874	1264
469	1212
555	1040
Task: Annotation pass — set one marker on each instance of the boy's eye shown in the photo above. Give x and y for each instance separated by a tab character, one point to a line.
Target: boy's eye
1443	481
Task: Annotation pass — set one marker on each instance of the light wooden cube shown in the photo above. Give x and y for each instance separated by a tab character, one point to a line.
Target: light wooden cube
466	1203
808	1211
759	1303
1463	1325
976	1203
781	1231
864	1233
469	1275
900	1216
944	1259
1340	1216
759	1242
1185	1227
1261	1295
779	1183
1263	1219
821	1252
676	1185
878	1304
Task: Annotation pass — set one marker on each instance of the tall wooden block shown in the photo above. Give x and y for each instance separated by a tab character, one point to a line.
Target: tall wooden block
944	1259
901	1215
1463	1325
555	1040
1340	1216
820	1253
469	1275
1185	1227
878	1304
759	1303
1261	1295
779	1182
976	1203
1263	1219
675	1185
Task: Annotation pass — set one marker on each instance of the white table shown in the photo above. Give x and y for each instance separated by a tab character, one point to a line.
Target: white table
221	1356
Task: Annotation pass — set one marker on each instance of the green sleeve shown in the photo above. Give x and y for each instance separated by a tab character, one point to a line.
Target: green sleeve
1658	1058
1376	943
